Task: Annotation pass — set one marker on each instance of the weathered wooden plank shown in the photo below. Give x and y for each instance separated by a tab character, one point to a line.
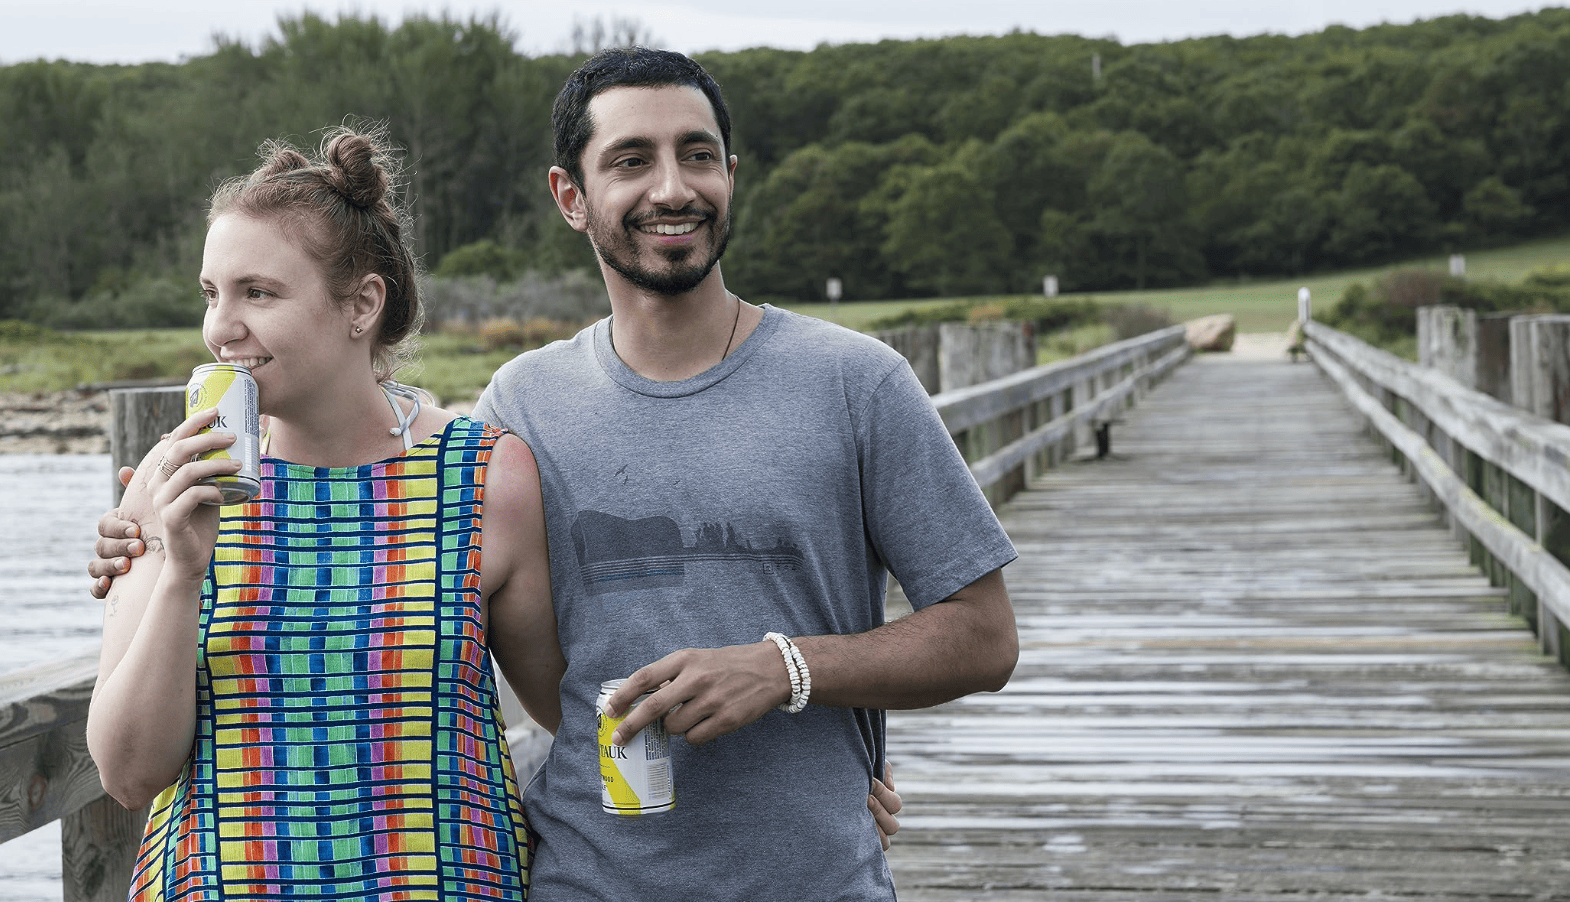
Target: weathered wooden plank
45	771
1255	665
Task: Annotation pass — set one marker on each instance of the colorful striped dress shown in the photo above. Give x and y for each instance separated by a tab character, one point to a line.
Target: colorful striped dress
349	744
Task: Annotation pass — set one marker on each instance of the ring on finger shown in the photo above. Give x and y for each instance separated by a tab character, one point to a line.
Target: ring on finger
167	466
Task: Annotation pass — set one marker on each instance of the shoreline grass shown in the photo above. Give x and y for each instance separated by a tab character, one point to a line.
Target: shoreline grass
456	366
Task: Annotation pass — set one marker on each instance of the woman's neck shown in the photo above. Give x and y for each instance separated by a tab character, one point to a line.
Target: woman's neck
346	430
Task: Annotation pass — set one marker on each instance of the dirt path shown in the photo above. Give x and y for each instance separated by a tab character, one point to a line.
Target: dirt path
1260	346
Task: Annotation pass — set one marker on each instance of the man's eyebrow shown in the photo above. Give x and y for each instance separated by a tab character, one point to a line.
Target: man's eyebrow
627	144
701	136
696	136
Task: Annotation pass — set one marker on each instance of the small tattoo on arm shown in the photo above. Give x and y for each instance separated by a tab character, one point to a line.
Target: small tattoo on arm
114	605
154	543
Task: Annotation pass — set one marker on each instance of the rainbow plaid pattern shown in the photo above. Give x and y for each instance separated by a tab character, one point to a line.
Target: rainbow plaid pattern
349	744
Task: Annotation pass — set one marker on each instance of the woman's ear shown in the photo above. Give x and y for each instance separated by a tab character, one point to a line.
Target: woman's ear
366	308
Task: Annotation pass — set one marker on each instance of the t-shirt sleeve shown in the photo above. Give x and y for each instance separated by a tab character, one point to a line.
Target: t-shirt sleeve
926	516
485	408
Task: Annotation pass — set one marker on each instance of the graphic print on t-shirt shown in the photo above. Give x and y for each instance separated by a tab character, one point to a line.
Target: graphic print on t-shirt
616	554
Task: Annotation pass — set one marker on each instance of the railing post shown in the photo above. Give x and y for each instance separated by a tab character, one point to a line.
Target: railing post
98	845
1447	340
1539	365
1084	390
138	417
1493	355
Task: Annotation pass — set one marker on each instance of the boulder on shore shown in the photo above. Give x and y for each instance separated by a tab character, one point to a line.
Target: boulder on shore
1211	333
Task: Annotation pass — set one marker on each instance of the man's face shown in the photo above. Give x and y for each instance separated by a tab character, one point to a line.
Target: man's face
657	187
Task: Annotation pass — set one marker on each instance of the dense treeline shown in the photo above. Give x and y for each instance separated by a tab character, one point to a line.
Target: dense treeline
904	168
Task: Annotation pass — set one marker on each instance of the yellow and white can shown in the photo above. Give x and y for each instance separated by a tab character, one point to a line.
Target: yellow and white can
635	778
232	390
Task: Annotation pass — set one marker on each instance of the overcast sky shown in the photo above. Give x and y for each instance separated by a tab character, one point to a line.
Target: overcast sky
104	31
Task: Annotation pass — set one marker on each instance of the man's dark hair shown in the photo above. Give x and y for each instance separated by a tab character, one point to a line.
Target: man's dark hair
623	67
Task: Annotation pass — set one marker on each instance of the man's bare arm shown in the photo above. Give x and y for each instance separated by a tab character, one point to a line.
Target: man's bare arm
966	643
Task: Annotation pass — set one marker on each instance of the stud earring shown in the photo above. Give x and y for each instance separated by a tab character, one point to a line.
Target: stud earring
358	330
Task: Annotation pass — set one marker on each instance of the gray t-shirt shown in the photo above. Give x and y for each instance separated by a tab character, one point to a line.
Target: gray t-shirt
768	493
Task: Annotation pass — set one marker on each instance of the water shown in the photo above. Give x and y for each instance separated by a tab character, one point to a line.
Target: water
51	505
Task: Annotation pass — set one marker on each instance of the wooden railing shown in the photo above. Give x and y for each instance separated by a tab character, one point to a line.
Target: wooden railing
46	775
1501	475
1011	427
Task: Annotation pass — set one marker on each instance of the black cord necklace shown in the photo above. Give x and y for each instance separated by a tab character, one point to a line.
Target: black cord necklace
732	329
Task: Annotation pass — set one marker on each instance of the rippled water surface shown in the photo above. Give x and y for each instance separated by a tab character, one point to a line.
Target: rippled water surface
49	507
52	504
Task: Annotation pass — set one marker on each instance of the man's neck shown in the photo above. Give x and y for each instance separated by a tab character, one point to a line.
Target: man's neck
668	338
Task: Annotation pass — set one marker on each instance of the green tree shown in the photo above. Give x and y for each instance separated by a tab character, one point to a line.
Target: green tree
943	232
1139	204
1030	169
1380	211
46	222
1493	210
810	220
481	258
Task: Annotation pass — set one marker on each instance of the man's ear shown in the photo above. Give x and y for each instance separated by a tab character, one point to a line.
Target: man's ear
569	199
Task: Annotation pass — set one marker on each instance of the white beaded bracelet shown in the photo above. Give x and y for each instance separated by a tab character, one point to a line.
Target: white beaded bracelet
784	646
796	668
797	704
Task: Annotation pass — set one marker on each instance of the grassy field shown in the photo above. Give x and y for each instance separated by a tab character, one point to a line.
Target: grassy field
451	366
456	367
1262	306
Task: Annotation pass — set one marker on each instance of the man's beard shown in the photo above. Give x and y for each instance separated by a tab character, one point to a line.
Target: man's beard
621	252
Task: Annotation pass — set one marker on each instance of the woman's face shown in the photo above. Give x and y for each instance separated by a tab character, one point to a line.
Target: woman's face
269	308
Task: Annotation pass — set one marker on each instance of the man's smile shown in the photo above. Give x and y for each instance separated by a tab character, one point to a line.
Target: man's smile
665	228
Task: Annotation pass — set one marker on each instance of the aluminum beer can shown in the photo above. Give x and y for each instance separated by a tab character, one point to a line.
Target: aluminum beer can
232	390
634	778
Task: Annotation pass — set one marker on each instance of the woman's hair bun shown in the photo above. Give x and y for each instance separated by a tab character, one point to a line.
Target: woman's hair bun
355	168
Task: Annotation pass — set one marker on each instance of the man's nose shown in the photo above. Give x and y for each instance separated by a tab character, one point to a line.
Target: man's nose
671	186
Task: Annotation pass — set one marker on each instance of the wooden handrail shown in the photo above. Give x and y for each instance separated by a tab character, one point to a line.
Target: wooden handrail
1007	426
1533	450
46	775
1528	449
46	772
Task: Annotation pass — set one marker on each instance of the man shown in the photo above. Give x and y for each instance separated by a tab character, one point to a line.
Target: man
714	472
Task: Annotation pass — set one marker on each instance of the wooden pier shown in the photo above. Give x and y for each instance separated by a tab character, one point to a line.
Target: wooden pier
1255	666
1259	662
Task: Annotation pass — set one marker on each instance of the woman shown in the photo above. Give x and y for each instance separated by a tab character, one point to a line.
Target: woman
341	735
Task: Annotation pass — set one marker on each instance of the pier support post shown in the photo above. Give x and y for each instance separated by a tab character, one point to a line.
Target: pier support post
137	418
98	845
